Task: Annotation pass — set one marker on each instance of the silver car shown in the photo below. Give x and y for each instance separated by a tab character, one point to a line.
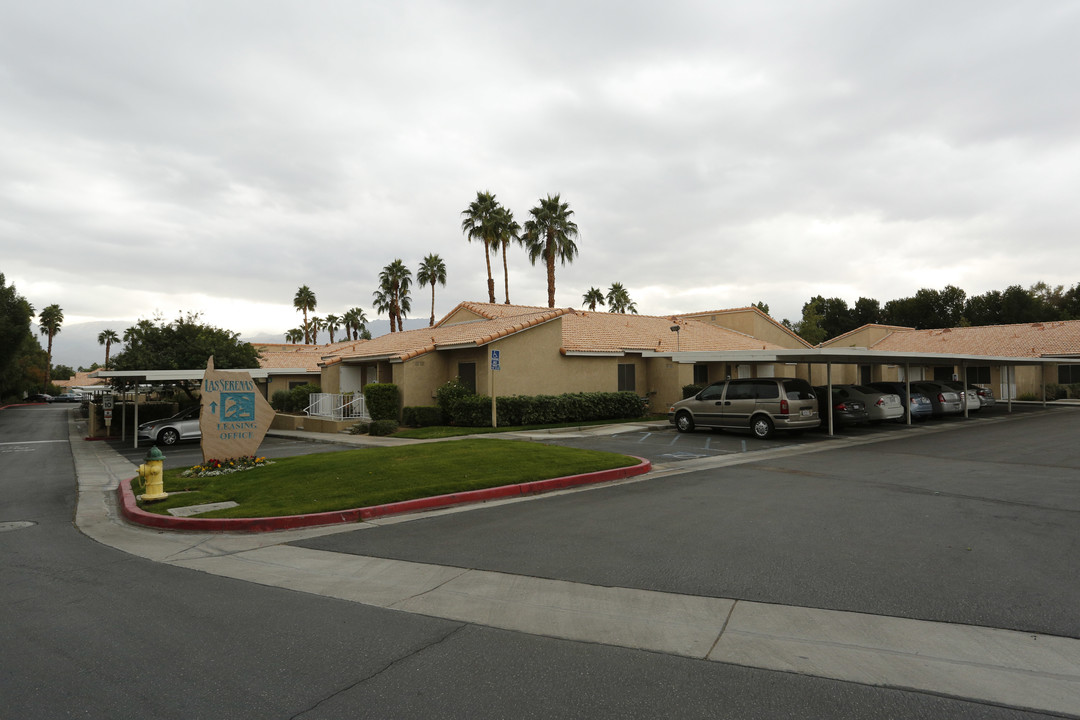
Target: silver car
879	404
943	398
184	425
761	405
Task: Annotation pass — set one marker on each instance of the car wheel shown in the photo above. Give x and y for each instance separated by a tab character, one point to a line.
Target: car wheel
684	422
762	427
168	436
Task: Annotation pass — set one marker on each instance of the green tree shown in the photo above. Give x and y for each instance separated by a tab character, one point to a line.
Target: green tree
393	293
480	223
107	338
304	301
355	322
866	311
50	320
183	344
332	323
433	270
315	324
294	336
549	235
62	372
592	298
506	229
16	315
809	328
760	305
618	300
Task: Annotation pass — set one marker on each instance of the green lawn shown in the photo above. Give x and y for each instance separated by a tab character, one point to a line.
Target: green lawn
372	476
444	431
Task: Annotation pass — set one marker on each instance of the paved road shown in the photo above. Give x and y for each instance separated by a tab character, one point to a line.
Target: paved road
979	525
91	631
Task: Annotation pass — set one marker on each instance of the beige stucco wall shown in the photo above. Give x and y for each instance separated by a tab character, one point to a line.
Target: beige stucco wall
751	323
666	380
282	382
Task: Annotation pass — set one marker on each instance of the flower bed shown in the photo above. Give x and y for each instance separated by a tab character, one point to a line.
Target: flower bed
213	468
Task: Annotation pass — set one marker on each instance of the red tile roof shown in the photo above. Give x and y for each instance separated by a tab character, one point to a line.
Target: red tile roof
1022	340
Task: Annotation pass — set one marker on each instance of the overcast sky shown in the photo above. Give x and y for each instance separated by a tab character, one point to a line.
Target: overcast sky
166	157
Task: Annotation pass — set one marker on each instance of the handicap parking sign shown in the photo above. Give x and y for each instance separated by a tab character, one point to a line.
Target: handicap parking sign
494	359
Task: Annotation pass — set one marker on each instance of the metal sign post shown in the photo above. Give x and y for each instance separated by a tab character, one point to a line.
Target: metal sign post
107	409
494	368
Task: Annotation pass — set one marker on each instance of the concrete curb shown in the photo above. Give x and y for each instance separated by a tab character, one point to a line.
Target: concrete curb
130	510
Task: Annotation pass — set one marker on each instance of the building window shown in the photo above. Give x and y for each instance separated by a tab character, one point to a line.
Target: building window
466	373
1068	374
941	374
979	375
626	377
701	374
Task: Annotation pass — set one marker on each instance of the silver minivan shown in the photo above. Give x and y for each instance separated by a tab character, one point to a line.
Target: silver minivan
760	405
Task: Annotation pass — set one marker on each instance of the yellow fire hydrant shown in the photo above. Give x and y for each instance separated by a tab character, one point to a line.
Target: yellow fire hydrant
151	474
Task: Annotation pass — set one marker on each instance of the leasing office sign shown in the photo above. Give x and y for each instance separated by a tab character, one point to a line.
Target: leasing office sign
234	417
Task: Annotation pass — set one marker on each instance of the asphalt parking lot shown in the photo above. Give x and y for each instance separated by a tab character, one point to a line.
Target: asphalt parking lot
978	525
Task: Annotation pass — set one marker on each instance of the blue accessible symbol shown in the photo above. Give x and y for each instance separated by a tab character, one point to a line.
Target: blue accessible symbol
494	359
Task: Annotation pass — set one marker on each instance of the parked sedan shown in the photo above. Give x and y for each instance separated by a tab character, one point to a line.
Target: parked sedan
921	407
986	395
977	397
182	426
943	398
68	398
39	398
880	405
844	411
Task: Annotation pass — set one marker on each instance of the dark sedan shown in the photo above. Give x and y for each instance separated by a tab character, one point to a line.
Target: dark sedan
844	411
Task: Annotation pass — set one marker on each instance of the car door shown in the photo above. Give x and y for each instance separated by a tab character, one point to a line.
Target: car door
739	403
707	407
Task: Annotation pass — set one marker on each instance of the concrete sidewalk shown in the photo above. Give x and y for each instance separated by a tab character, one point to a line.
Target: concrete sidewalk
1003	667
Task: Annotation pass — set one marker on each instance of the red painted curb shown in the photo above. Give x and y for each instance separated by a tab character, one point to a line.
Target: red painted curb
130	509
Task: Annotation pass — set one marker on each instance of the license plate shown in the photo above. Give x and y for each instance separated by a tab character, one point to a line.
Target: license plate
805	412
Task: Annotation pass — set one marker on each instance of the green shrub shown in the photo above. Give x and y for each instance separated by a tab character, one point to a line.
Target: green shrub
1055	391
383	427
360	428
299	397
1028	396
1074	390
689	391
383	401
475	410
421	416
446	395
280	400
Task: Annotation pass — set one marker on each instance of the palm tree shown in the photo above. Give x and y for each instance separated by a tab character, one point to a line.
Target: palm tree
594	297
479	224
305	300
549	235
393	292
506	229
314	325
618	300
381	299
50	320
107	338
355	322
294	336
332	323
432	270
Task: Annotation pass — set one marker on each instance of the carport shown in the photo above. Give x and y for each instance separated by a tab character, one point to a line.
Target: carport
126	379
863	356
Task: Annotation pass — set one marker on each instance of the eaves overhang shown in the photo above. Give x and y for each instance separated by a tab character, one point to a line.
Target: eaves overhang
845	356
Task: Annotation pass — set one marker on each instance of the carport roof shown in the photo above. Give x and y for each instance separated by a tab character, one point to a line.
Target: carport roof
152	376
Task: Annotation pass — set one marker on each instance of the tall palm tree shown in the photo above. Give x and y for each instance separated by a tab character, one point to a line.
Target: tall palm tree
432	270
332	323
50	319
107	338
355	322
304	300
394	282
314	325
549	235
479	224
506	229
383	303
618	300
294	336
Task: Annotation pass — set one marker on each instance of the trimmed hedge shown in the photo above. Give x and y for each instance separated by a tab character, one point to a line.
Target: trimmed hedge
446	395
422	416
475	410
689	391
383	427
295	400
383	401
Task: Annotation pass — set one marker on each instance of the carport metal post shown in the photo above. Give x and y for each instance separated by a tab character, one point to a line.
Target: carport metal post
828	393
907	388
135	430
963	391
1042	379
1008	384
